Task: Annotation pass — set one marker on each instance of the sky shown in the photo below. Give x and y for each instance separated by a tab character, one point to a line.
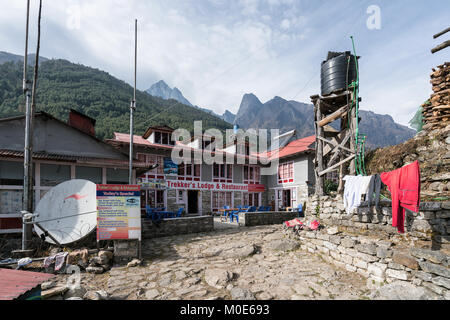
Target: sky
215	51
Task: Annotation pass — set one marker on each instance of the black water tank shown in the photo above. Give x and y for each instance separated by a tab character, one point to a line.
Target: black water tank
333	76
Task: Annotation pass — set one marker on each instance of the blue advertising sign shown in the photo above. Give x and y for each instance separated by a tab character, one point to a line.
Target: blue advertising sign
170	167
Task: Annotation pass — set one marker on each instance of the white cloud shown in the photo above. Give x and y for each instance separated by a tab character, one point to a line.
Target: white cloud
214	51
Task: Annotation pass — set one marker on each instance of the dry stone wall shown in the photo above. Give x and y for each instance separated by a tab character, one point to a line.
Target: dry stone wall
169	227
431	224
251	219
380	261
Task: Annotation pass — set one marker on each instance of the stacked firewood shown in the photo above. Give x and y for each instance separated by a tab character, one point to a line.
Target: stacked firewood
436	111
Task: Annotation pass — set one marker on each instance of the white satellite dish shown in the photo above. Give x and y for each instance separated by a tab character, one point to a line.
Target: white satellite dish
68	211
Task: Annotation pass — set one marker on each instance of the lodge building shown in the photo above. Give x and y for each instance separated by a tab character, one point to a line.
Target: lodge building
64	151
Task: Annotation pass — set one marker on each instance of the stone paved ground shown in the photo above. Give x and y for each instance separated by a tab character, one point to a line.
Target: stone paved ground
229	263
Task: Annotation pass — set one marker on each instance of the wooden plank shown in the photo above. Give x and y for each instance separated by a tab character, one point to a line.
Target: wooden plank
336	149
440	47
335	115
319	152
437	35
334	144
321	173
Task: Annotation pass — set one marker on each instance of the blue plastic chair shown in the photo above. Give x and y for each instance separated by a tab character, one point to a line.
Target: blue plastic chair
268	208
149	212
179	213
262	208
235	214
299	209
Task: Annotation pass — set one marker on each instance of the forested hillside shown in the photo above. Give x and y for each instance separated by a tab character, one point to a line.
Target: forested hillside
63	85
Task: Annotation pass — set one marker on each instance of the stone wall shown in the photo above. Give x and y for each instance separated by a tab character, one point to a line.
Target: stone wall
169	227
380	261
206	202
125	250
250	219
431	224
172	204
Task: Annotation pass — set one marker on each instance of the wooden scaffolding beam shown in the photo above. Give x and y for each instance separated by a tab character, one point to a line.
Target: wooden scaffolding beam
335	151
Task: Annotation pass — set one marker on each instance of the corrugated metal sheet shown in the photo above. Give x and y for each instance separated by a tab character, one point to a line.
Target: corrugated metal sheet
59	157
14	283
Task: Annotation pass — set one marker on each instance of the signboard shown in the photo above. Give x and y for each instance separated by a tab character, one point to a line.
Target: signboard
170	167
256	188
153	184
119	212
211	186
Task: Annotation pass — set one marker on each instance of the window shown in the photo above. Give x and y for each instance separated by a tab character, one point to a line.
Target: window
89	173
52	175
222	172
286	172
251	199
158	137
154	198
116	176
221	199
11	173
150	159
189	172
251	175
163	138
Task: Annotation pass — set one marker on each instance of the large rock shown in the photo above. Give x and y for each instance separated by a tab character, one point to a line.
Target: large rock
105	256
95	270
283	245
151	294
218	278
75	292
241	294
405	260
240	252
402	290
427	254
368	248
434	268
96	295
134	263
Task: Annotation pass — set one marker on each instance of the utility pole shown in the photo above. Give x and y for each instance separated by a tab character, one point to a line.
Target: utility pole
27	205
133	107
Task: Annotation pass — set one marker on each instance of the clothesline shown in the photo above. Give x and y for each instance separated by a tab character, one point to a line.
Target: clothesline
403	184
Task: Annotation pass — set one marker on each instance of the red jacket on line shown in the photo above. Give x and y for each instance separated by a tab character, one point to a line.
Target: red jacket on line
404	186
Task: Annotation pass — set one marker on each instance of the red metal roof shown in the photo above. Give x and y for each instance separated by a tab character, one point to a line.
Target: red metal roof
125	137
14	283
294	147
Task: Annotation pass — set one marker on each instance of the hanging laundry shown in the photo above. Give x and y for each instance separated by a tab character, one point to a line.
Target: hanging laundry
355	187
374	187
404	186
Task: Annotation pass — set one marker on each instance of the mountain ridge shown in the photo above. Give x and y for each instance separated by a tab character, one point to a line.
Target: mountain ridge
64	85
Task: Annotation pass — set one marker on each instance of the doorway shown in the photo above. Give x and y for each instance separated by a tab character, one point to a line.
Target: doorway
192	201
286	198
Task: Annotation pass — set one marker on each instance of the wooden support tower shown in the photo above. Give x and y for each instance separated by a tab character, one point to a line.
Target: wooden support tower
335	149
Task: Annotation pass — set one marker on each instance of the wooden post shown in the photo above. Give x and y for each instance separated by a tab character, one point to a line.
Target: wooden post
319	150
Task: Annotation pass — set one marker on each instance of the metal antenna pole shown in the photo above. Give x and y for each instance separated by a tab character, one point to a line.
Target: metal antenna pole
27	164
133	107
